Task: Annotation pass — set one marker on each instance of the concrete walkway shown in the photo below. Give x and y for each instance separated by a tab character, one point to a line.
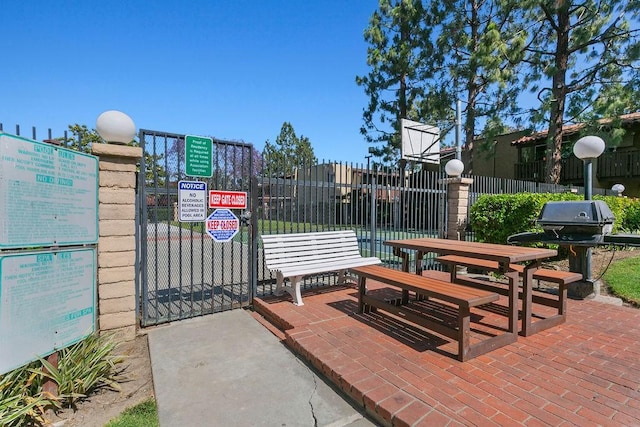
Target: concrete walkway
227	369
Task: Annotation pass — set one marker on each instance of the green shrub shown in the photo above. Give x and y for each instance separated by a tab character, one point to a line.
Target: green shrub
631	220
82	368
21	399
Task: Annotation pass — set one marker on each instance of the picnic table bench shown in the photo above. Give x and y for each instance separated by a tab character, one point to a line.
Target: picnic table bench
462	298
297	255
562	278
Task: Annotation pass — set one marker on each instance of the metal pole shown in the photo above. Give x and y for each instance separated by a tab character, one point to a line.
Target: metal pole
374	214
458	130
588	193
588	179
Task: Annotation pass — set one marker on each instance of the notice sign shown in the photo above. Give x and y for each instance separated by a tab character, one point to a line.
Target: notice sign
47	302
227	199
192	201
198	156
48	194
222	225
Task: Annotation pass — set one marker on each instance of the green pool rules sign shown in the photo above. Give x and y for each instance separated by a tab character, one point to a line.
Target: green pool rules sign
198	156
47	302
48	195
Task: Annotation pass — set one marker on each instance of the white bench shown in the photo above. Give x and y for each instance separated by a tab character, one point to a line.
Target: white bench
297	255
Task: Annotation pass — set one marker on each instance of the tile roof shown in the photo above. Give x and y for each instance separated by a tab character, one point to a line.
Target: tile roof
571	129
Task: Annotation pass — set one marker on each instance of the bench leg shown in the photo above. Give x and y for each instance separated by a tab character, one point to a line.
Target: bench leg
562	300
279	284
362	290
464	333
342	275
514	280
293	289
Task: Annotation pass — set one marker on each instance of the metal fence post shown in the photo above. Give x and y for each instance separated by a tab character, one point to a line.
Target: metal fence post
374	214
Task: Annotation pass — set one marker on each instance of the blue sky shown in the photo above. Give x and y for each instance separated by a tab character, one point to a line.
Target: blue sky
233	69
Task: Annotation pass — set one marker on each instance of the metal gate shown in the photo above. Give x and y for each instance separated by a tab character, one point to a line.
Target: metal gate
183	272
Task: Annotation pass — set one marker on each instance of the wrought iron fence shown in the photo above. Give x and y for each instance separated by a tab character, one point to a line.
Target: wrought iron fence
378	202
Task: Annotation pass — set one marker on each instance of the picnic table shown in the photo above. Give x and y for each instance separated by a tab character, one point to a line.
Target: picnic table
513	262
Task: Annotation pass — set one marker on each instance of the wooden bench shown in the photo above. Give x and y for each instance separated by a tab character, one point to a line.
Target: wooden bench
296	255
461	297
562	278
555	276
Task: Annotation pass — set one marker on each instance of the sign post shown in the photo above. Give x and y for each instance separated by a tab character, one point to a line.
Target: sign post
198	156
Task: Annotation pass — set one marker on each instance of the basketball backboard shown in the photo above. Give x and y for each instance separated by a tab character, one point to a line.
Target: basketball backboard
420	142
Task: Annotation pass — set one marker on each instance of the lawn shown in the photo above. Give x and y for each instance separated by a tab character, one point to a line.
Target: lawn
623	277
144	414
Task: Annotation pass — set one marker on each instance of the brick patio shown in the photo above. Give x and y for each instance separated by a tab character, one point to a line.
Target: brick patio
585	372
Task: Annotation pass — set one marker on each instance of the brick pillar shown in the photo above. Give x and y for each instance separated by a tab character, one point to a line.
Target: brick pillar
116	244
457	206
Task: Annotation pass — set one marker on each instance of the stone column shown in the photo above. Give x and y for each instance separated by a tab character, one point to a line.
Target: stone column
457	206
116	244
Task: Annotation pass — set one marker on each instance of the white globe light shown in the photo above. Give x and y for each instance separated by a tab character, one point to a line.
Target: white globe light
618	188
588	147
454	167
115	126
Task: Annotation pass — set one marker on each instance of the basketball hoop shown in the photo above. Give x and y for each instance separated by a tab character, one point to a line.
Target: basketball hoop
420	142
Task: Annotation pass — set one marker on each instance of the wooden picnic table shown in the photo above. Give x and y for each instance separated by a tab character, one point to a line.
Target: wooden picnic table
504	255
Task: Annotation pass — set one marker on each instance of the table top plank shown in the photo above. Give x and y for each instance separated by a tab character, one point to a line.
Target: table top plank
488	251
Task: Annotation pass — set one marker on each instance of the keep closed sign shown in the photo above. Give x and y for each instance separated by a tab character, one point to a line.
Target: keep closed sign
222	225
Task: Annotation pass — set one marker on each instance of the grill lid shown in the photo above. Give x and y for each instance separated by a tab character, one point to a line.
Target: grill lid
575	212
576	223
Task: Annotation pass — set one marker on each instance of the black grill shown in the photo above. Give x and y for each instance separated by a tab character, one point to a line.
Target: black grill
578	223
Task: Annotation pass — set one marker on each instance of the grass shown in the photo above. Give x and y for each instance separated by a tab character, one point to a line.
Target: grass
623	277
144	414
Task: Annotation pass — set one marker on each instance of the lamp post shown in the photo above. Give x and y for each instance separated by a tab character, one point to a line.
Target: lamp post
587	149
116	127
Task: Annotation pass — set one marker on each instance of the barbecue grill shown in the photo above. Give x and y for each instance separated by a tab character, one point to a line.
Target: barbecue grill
580	224
577	223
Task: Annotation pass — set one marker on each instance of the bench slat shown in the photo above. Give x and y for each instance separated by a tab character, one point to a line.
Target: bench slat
556	276
328	266
446	291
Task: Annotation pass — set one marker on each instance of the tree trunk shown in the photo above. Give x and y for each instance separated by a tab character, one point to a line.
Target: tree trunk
472	93
559	93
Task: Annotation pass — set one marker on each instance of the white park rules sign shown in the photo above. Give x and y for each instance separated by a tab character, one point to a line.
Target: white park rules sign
192	201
